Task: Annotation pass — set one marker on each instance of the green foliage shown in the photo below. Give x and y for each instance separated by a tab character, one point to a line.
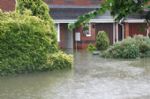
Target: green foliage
129	48
91	48
82	20
40	9
123	8
124	49
143	43
37	7
59	61
102	40
119	9
26	44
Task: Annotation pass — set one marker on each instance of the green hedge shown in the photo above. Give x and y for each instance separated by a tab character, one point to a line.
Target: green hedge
138	46
26	44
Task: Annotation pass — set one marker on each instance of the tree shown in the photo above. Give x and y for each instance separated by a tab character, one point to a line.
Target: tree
120	9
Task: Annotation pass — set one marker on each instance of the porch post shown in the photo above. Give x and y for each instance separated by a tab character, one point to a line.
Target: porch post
58	32
123	31
148	30
114	33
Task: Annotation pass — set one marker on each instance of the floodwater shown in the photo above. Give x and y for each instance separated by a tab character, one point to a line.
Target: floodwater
91	78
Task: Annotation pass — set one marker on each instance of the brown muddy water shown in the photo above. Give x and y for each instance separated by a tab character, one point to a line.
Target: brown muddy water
91	78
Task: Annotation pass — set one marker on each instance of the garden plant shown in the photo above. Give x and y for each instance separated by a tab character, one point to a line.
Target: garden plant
28	40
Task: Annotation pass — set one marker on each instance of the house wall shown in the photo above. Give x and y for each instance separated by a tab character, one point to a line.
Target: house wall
85	40
95	27
137	29
7	5
107	27
132	29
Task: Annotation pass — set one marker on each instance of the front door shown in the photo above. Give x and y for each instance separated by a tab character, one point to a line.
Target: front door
107	27
69	40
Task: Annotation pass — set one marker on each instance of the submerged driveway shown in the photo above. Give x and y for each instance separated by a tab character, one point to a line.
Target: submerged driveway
91	78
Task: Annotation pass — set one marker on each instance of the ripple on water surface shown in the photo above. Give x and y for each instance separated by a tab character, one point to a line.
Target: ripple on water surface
92	78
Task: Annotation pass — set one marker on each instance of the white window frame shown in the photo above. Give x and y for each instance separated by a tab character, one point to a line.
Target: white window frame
90	30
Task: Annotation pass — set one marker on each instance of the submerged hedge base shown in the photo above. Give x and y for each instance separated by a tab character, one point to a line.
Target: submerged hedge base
138	46
27	44
55	61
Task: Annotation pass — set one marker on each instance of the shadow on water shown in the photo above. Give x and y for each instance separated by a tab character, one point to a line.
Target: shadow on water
92	77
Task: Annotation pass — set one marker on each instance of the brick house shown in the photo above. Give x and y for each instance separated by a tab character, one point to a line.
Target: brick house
67	11
7	5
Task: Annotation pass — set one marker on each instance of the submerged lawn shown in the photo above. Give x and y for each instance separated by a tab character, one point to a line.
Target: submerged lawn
92	78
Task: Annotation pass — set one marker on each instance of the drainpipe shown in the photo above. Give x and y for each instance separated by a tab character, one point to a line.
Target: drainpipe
122	26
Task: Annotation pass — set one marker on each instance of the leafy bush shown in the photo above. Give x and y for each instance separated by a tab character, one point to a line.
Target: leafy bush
26	44
40	9
143	43
91	48
124	49
59	61
129	48
102	41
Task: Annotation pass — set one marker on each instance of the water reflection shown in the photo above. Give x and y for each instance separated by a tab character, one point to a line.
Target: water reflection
92	78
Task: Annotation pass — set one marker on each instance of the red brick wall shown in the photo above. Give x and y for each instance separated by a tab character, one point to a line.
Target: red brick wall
74	2
85	40
7	5
126	30
137	29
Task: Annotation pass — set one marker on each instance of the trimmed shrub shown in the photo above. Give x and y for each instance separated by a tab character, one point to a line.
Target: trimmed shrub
102	40
129	48
26	44
91	48
122	50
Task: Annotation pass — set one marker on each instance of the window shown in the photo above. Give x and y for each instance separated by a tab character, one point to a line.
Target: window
87	30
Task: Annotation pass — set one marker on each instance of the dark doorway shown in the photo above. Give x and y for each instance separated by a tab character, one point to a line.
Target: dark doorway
120	35
107	27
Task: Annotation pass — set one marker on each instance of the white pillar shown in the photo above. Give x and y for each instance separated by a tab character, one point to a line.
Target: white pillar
148	31
58	32
117	32
123	32
114	31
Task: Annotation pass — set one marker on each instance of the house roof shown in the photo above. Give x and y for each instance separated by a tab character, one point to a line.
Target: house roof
69	13
73	12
